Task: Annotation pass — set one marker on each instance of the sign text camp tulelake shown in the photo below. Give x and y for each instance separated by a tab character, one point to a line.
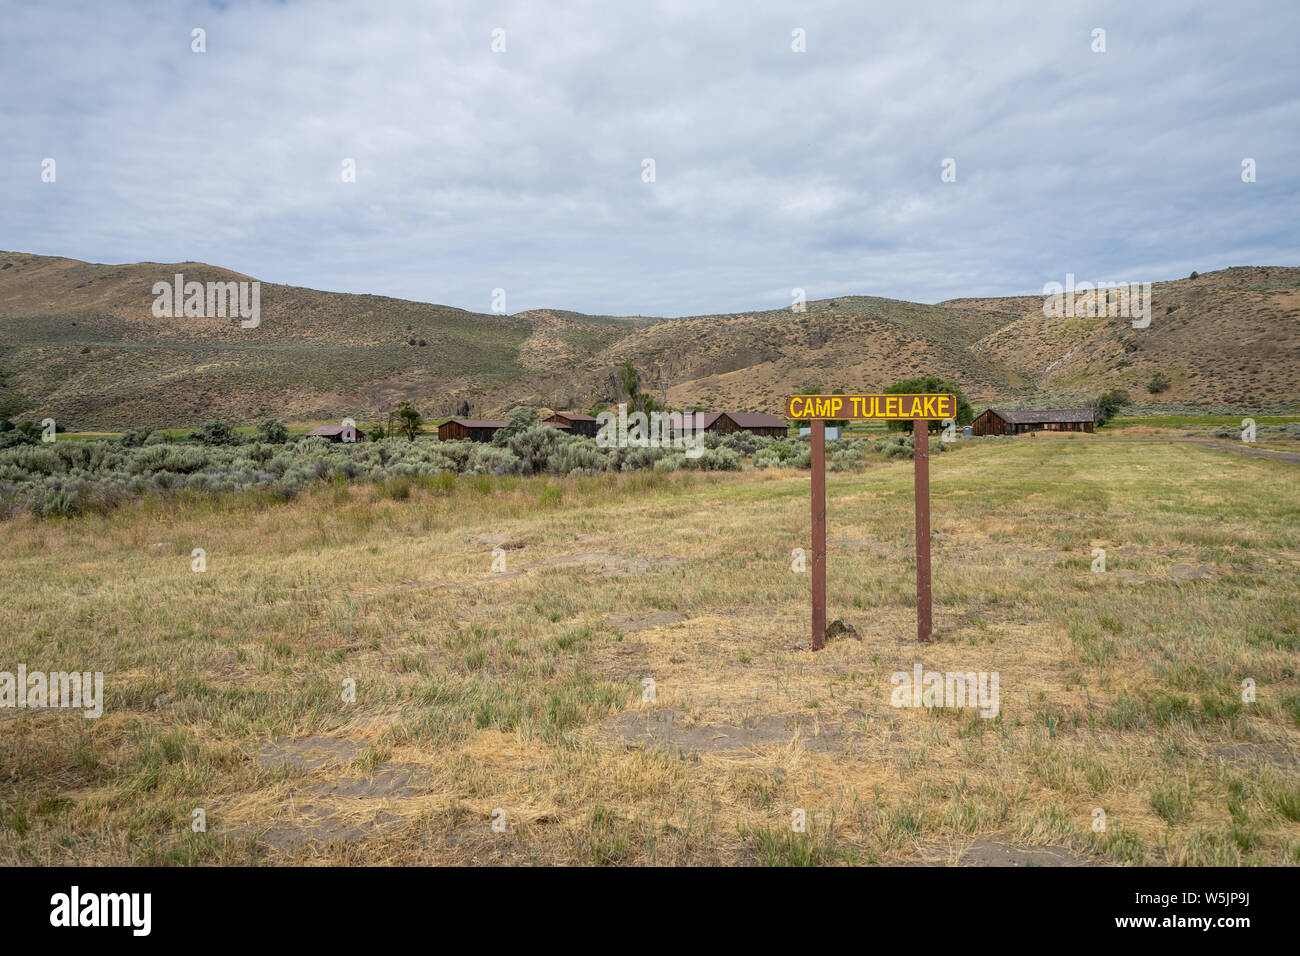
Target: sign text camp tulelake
920	409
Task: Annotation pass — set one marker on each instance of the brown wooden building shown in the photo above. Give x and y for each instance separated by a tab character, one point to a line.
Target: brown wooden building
1018	421
758	423
575	423
336	433
475	429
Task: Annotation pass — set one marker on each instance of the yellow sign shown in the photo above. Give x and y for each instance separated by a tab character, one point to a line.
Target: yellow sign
846	407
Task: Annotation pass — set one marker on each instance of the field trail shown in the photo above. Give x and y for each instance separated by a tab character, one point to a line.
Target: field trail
1237	448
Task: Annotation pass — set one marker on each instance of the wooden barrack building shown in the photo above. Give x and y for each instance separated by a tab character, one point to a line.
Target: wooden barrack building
758	423
575	423
475	429
1018	421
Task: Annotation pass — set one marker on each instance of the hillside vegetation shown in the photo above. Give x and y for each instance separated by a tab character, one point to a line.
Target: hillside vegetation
79	343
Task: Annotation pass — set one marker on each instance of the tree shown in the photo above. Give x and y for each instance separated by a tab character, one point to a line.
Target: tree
1194	275
1158	384
16	436
1107	404
273	431
520	420
663	387
408	420
213	432
630	382
930	385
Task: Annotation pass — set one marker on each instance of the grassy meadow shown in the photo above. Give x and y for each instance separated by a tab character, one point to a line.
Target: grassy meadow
499	631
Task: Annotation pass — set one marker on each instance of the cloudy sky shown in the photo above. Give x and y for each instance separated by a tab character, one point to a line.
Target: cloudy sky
773	169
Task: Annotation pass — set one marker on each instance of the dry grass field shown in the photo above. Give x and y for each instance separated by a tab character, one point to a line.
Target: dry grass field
516	695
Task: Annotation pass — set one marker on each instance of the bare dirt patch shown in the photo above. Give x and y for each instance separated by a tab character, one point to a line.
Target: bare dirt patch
667	728
990	852
1247	754
1178	572
349	809
308	753
497	540
993	853
644	622
1190	572
607	563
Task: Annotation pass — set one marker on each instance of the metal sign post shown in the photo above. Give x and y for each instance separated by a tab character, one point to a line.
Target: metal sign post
920	409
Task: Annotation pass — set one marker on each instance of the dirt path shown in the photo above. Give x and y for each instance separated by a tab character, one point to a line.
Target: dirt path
1239	448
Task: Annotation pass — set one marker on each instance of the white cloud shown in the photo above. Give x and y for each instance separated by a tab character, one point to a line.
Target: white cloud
523	169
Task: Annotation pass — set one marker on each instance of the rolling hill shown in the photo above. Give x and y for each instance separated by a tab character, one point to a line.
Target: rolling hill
79	343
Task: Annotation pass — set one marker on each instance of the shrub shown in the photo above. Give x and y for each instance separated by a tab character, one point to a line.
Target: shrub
745	443
713	459
893	447
213	432
40	461
1106	405
520	420
59	503
16	437
272	431
846	455
398	487
784	454
632	459
491	460
71	477
174	458
534	446
582	457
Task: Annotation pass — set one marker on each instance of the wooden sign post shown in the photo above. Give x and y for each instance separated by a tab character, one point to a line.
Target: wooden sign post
920	409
